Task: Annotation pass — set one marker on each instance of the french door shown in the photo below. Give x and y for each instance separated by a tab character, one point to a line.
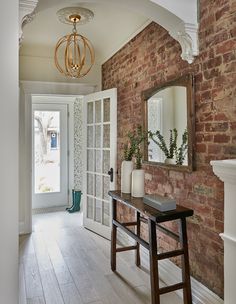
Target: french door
100	159
50	155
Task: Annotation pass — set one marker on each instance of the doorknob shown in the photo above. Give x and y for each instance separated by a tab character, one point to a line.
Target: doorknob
111	172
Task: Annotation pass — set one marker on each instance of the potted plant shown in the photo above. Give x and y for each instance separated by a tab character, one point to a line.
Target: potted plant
173	154
138	175
135	138
127	167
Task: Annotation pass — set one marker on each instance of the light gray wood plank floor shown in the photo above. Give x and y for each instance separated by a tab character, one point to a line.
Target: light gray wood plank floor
63	263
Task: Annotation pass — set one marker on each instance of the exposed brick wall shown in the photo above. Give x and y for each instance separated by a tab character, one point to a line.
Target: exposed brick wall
153	57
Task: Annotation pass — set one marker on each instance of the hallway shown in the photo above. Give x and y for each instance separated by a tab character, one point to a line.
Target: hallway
61	262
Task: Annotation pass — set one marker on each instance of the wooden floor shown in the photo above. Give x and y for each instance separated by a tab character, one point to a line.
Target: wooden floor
63	263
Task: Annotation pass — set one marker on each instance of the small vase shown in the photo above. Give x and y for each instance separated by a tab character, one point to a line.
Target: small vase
126	170
170	161
138	183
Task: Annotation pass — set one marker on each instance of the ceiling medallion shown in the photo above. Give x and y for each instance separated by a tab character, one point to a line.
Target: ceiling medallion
74	53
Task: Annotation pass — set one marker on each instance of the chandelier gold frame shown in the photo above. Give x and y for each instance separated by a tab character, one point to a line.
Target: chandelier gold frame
77	50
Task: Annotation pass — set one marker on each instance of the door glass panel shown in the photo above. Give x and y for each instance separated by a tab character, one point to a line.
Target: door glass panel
106	214
90	161
98	211
106	187
106	111
98	136
90	207
90	112
98	111
47	151
90	184
90	136
106	136
98	161
98	186
106	161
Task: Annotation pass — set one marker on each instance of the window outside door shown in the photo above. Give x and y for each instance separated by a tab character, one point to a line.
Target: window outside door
50	155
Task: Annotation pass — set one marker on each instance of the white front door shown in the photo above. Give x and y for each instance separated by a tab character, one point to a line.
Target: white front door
50	155
100	159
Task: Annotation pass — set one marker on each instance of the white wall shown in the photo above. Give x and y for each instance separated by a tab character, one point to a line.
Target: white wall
43	69
28	89
9	152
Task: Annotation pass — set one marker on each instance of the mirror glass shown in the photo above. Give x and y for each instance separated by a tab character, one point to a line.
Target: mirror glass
167	110
169	118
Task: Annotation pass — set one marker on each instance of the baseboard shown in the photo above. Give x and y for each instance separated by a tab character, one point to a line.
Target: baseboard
21	227
170	274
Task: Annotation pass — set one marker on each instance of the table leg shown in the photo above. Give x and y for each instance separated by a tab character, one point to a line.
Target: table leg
154	277
113	236
185	263
137	243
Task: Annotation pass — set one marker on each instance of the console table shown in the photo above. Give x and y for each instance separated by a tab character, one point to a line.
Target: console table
154	218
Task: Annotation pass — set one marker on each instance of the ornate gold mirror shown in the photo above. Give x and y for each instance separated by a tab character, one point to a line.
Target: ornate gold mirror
168	117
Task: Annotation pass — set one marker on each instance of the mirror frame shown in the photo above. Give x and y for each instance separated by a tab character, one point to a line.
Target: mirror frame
184	81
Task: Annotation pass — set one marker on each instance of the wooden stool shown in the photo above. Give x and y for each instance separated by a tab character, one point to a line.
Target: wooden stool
154	218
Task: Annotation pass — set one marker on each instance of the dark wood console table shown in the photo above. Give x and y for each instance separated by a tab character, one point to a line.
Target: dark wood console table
154	218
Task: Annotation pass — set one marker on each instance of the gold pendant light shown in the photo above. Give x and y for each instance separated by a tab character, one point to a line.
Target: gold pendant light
74	53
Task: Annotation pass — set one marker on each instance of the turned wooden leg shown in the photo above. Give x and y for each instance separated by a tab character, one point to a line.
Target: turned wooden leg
185	263
113	236
137	243
154	277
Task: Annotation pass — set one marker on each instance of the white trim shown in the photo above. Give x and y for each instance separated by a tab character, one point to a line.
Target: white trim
225	170
69	103
21	227
29	88
228	238
170	274
59	88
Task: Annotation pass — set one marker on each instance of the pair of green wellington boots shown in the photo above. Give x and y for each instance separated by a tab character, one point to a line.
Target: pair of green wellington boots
76	198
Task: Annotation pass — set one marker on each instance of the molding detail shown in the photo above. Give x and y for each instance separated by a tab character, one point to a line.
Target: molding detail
188	40
170	274
228	238
26	15
225	170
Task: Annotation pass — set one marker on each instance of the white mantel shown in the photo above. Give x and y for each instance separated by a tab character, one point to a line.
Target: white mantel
226	171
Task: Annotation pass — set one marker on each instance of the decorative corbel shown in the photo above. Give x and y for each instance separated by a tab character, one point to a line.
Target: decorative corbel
26	14
187	36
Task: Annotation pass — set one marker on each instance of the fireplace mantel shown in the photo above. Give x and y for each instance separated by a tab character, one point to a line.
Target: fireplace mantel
226	171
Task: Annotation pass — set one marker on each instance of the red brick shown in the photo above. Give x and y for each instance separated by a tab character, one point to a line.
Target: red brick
221	138
152	58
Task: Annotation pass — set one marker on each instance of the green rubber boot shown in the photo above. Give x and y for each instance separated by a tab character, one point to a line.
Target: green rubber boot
76	196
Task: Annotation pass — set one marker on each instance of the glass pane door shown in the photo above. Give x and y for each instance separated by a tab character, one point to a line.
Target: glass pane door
50	158
101	156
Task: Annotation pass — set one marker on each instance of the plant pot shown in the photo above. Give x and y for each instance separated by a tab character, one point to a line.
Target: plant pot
138	183
126	170
170	161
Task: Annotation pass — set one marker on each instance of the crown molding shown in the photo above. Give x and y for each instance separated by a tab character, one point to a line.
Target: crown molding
26	14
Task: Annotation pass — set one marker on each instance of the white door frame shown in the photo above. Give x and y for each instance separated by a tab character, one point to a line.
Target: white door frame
29	88
45	101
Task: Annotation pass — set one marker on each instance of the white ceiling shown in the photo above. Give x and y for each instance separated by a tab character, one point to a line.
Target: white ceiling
109	30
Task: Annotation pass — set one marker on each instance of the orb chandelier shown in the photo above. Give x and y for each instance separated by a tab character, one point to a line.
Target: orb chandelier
74	53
